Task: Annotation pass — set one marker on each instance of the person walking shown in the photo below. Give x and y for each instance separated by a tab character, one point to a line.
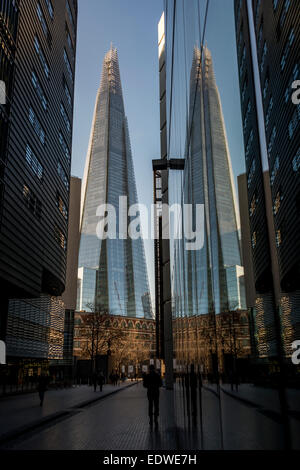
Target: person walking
42	387
152	382
101	381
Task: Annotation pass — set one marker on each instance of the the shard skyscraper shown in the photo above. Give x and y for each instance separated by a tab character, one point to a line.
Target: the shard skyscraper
211	279
112	273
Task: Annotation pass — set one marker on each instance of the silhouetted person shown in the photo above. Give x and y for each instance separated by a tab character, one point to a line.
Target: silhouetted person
101	380
152	382
95	380
42	387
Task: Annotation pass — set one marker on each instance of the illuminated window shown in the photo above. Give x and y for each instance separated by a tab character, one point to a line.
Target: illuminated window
60	238
64	147
61	206
269	111
277	203
253	205
278	237
293	124
251	173
33	204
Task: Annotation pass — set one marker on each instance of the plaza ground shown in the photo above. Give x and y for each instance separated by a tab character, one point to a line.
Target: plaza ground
116	419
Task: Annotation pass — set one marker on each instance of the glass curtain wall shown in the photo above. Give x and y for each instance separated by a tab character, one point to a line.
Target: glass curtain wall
214	347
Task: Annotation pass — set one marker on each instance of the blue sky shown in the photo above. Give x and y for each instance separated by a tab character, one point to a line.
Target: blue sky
131	25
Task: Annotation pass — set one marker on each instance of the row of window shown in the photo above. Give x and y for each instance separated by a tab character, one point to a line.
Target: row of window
33	119
45	29
294	122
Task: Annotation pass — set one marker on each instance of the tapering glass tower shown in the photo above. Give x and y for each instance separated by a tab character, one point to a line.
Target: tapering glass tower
112	272
211	279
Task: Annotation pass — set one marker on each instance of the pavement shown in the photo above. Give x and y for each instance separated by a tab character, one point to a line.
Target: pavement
19	414
119	421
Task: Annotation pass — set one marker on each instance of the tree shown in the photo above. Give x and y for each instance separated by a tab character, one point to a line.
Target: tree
97	334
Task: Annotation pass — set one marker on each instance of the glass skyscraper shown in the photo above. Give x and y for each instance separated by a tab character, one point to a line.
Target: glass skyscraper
210	279
112	273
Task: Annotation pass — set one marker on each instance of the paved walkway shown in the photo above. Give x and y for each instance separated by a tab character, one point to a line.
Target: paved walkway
120	422
21	412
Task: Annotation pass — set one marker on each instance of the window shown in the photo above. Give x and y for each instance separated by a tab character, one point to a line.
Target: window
254	239
68	65
50	8
64	147
277	202
275	170
263	57
272	140
275	3
60	238
293	124
266	85
253	205
284	12
41	56
69	40
61	206
287	48
34	163
269	111
251	173
31	201
70	15
278	237
67	92
39	90
44	24
296	161
65	117
63	175
37	126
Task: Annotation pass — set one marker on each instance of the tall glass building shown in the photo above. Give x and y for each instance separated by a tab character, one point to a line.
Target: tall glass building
212	279
112	272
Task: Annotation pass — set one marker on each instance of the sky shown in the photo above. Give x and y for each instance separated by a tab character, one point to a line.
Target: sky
131	25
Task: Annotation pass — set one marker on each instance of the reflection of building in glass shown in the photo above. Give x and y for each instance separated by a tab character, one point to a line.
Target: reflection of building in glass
268	60
35	328
210	279
130	341
112	272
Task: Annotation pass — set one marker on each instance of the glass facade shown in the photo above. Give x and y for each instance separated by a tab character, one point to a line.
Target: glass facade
112	272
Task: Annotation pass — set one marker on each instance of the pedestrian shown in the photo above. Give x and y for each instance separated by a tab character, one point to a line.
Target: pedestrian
101	380
95	380
152	382
42	387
